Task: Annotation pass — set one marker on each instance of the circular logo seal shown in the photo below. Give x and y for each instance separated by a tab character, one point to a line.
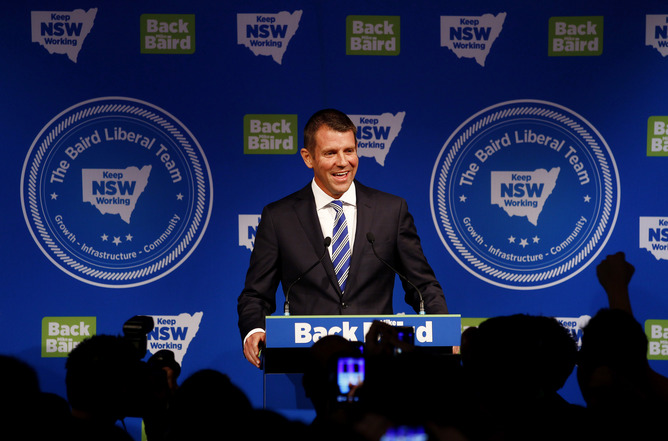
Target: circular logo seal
116	192
525	194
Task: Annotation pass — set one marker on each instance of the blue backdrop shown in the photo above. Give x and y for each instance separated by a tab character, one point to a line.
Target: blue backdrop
231	77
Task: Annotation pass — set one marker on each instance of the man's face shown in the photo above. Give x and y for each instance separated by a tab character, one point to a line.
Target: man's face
334	160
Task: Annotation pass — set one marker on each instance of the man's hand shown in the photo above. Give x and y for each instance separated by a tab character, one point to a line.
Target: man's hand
615	273
254	344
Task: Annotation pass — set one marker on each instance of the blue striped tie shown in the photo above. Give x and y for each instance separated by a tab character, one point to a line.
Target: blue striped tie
340	245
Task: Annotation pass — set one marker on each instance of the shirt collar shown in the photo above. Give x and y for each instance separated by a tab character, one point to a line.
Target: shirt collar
322	199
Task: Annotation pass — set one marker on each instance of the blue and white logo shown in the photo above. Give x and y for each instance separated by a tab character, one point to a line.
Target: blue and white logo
116	192
525	194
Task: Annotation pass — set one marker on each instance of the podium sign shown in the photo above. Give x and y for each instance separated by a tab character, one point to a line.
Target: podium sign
302	331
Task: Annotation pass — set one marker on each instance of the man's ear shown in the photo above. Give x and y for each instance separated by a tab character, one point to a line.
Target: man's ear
306	156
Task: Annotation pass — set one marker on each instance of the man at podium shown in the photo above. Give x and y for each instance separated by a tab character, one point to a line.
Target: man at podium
335	245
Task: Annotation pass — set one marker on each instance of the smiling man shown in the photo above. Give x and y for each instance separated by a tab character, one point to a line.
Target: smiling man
317	243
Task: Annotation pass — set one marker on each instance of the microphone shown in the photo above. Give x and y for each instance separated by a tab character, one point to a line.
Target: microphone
370	237
286	305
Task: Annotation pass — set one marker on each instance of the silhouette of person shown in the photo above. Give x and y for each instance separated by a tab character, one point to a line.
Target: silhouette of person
24	408
101	379
335	415
624	395
207	405
514	366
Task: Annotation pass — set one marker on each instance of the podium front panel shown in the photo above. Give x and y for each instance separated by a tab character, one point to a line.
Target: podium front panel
303	331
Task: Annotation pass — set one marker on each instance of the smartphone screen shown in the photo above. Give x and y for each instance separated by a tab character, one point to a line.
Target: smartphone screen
349	373
406	334
405	433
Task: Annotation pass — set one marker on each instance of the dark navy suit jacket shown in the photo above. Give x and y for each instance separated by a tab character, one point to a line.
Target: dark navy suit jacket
289	240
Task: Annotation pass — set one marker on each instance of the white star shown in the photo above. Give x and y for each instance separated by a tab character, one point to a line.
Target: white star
536	239
179	197
128	238
587	198
54	196
462	198
523	243
511	239
117	240
104	237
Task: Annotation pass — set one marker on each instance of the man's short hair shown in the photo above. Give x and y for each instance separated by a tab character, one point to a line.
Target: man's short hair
332	118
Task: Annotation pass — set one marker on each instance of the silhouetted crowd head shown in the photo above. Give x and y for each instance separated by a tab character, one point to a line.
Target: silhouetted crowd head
503	386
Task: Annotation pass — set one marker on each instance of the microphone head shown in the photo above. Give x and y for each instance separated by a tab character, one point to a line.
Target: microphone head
328	241
370	237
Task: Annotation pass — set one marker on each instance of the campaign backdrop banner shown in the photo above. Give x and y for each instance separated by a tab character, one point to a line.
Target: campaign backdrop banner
141	140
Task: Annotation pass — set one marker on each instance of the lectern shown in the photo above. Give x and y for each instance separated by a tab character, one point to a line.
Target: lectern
289	337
